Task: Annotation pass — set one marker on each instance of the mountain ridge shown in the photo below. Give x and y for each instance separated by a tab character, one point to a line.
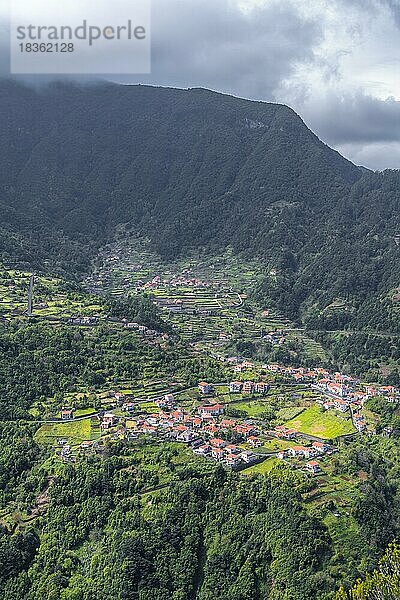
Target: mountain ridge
192	168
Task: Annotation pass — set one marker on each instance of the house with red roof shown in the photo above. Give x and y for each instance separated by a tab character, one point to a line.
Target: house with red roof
217	453
109	420
371	391
298	376
248	387
313	467
328	404
261	387
232	449
218	443
178	415
202	450
254	441
387	390
227	424
299	451
289	434
213	428
320	447
67	414
244	429
149	429
232	460
180	428
341	405
214	410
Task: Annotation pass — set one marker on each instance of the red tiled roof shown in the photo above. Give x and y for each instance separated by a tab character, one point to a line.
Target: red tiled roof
213	408
180	428
217	441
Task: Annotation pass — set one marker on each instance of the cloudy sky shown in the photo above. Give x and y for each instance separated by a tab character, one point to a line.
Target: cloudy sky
336	62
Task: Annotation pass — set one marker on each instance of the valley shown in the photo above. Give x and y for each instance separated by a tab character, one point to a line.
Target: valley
199	350
246	390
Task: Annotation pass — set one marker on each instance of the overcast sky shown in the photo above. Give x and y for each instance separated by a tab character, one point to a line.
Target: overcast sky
336	62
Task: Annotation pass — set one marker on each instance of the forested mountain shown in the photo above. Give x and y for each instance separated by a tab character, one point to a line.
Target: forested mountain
100	505
195	168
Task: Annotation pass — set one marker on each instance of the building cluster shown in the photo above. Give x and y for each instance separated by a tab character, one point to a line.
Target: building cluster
177	281
84	321
248	387
207	432
237	387
359	422
316	449
144	331
343	389
221	451
211	435
276	338
240	366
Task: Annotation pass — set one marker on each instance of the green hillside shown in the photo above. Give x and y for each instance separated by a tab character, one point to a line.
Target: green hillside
189	169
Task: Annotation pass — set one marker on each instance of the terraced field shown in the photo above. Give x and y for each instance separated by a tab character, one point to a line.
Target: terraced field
206	298
52	297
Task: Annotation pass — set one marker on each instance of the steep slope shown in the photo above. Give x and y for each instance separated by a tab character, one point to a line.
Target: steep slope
92	157
193	168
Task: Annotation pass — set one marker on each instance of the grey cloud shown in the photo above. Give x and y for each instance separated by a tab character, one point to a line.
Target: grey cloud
214	44
375	156
375	5
394	7
4	49
355	118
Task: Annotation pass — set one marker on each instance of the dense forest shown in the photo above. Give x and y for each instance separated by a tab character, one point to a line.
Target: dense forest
190	169
383	583
143	520
38	362
208	536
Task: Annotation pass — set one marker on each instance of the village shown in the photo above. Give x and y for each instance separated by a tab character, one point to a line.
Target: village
209	430
225	422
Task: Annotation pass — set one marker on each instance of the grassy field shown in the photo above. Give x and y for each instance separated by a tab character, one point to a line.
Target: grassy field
253	408
289	412
75	432
83	412
327	425
276	445
264	467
